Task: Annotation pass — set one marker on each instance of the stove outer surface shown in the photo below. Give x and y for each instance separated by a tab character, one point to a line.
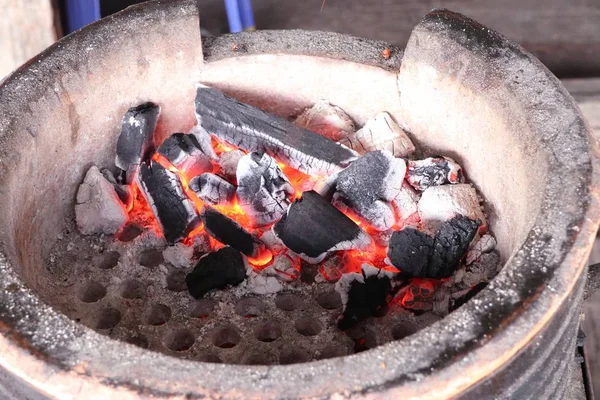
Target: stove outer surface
464	355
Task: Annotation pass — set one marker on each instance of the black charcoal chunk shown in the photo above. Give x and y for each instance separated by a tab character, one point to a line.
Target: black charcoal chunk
229	232
252	129
369	185
433	171
416	254
136	140
363	295
217	270
212	189
313	227
263	191
183	151
162	189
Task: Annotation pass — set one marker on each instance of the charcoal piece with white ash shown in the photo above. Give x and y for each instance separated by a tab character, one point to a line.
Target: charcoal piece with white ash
212	189
485	244
252	129
125	192
433	171
363	294
313	227
326	120
380	133
229	232
263	191
184	153
229	162
481	270
369	185
441	203
406	203
417	254
98	208
216	270
204	141
162	189
136	140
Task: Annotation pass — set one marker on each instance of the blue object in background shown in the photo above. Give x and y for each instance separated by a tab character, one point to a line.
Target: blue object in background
233	16
81	12
245	7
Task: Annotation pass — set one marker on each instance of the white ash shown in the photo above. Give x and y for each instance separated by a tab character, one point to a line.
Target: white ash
179	255
201	244
326	120
260	283
229	162
282	268
382	238
270	239
406	202
442	203
433	171
380	133
204	140
485	244
212	189
98	208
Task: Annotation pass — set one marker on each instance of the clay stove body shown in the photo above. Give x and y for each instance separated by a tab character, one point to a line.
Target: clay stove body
460	89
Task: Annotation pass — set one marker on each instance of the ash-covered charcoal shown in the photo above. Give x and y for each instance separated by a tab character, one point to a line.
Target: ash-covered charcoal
406	203
485	244
369	184
433	171
282	268
260	283
179	255
229	232
212	189
216	270
229	163
313	227
136	140
417	254
252	129
204	142
481	270
441	203
98	208
380	133
125	192
263	191
183	151
363	295
331	269
162	189
326	120
441	299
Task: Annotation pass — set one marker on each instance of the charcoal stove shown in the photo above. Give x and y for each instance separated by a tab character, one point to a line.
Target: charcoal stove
461	89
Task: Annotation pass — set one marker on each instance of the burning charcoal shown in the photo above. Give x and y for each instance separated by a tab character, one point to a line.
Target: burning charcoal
213	189
136	139
272	241
283	268
179	255
416	254
252	129
229	232
229	163
125	192
174	211
183	152
263	191
441	203
433	171
363	295
204	141
485	244
98	208
331	269
406	203
419	295
326	120
380	133
216	271
369	184
313	228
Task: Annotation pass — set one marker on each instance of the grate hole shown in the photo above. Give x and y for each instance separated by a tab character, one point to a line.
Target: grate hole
158	314
268	331
293	356
330	300
402	330
250	307
130	232
288	302
209	358
176	281
180	340
91	292
138	340
261	358
133	289
226	337
151	258
107	260
201	308
308	326
108	318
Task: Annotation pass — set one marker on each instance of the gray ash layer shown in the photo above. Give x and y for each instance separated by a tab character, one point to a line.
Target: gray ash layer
433	171
212	189
184	152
